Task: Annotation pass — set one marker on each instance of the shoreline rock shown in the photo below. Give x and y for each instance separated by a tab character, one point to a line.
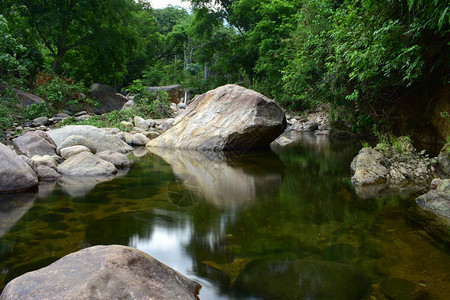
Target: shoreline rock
229	118
103	272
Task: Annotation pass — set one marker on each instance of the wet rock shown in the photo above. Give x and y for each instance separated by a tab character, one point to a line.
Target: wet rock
103	272
34	143
151	134
15	173
119	160
77	140
46	173
73	150
302	279
86	164
99	137
384	171
398	288
227	118
432	213
310	126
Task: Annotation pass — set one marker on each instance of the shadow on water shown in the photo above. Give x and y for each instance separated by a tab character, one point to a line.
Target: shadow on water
268	225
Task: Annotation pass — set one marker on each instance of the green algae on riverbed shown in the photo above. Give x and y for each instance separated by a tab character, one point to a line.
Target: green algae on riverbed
255	226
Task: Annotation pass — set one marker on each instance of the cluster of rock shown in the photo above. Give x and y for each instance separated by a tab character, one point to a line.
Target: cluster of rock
76	150
316	122
103	272
382	171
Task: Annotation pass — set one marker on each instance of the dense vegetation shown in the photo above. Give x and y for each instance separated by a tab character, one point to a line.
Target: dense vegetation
359	56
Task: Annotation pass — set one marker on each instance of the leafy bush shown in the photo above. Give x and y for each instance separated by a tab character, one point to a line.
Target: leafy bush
8	108
37	110
60	92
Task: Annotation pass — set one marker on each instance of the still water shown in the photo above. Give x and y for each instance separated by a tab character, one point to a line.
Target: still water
264	225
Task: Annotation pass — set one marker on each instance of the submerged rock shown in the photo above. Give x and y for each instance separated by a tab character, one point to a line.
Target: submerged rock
227	118
103	272
15	174
86	164
303	279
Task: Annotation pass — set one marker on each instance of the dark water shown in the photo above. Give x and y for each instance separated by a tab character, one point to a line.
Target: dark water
252	226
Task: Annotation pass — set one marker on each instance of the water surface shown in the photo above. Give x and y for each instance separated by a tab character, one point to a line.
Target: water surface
263	225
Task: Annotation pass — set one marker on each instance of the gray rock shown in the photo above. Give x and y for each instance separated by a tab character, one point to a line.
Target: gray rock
81	186
99	137
437	200
80	113
151	134
167	124
140	123
103	272
23	98
62	115
119	160
227	118
444	160
34	143
46	173
15	174
385	172
140	139
129	104
77	140
86	164
310	126
45	160
40	121
108	100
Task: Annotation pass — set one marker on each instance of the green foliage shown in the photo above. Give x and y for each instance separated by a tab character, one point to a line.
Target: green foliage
8	108
37	110
111	119
61	93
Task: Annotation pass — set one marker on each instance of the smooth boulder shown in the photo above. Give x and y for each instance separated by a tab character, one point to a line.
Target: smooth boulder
15	174
86	164
73	150
102	140
119	160
77	140
34	143
103	272
228	118
108	100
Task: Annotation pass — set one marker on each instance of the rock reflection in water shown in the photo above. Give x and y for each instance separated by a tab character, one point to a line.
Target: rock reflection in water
12	209
81	186
224	181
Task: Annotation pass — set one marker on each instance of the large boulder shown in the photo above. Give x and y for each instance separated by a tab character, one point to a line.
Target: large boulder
103	272
77	140
86	164
228	118
102	140
108	100
34	143
15	174
175	92
383	171
23	98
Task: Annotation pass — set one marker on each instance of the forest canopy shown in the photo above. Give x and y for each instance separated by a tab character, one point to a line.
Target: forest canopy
350	53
